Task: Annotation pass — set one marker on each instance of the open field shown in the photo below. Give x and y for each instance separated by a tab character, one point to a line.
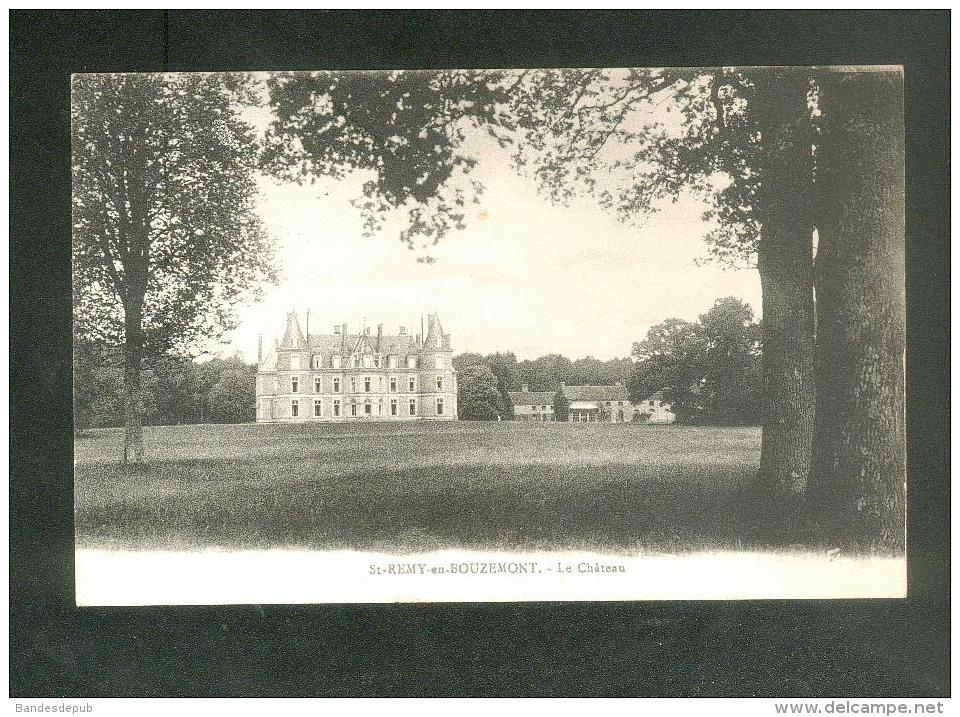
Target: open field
422	486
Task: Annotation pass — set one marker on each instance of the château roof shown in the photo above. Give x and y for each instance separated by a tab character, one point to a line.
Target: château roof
344	343
400	344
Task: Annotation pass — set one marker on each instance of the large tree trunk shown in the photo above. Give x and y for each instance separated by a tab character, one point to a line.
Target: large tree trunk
132	384
785	263
858	485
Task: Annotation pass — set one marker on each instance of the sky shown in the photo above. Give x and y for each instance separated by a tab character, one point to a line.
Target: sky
524	276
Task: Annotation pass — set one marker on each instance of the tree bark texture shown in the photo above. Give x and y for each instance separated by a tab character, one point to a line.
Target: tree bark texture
785	264
132	384
859	479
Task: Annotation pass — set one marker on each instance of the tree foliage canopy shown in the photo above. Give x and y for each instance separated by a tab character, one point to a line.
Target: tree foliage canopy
403	129
164	221
581	126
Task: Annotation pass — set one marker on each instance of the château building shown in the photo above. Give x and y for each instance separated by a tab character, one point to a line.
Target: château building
357	377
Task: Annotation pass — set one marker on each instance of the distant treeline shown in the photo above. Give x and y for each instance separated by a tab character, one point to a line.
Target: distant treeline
176	389
710	370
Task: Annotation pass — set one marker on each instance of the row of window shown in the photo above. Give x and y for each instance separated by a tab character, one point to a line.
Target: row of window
367	408
358	361
367	384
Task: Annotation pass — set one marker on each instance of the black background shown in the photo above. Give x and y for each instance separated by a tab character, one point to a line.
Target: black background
767	648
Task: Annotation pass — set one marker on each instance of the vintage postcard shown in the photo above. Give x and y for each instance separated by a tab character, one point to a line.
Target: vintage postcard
489	335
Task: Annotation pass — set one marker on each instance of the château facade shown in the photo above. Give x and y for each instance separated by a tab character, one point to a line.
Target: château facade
342	377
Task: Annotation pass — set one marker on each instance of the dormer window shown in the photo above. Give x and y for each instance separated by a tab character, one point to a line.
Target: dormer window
376	360
411	361
317	361
356	361
439	361
294	362
335	360
391	361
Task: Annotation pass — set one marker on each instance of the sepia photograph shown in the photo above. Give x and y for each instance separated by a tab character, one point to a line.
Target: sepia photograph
489	335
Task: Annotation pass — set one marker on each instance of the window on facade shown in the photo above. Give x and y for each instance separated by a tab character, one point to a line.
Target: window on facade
366	384
413	384
294	384
439	406
650	403
336	385
336	407
317	408
413	407
439	383
544	408
353	385
294	408
367	408
317	384
393	407
353	409
393	385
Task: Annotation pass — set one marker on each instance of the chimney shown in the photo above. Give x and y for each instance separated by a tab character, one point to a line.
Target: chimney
403	330
336	329
259	348
525	387
306	329
366	330
343	329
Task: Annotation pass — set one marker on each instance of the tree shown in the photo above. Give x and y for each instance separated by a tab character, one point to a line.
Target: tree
166	240
477	395
466	360
546	372
743	142
561	406
505	368
179	395
732	384
406	128
84	385
671	359
232	399
858	484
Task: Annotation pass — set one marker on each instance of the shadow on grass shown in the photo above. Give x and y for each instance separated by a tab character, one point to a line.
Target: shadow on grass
607	507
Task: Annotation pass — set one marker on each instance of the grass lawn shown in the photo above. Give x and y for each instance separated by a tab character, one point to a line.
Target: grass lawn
425	486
